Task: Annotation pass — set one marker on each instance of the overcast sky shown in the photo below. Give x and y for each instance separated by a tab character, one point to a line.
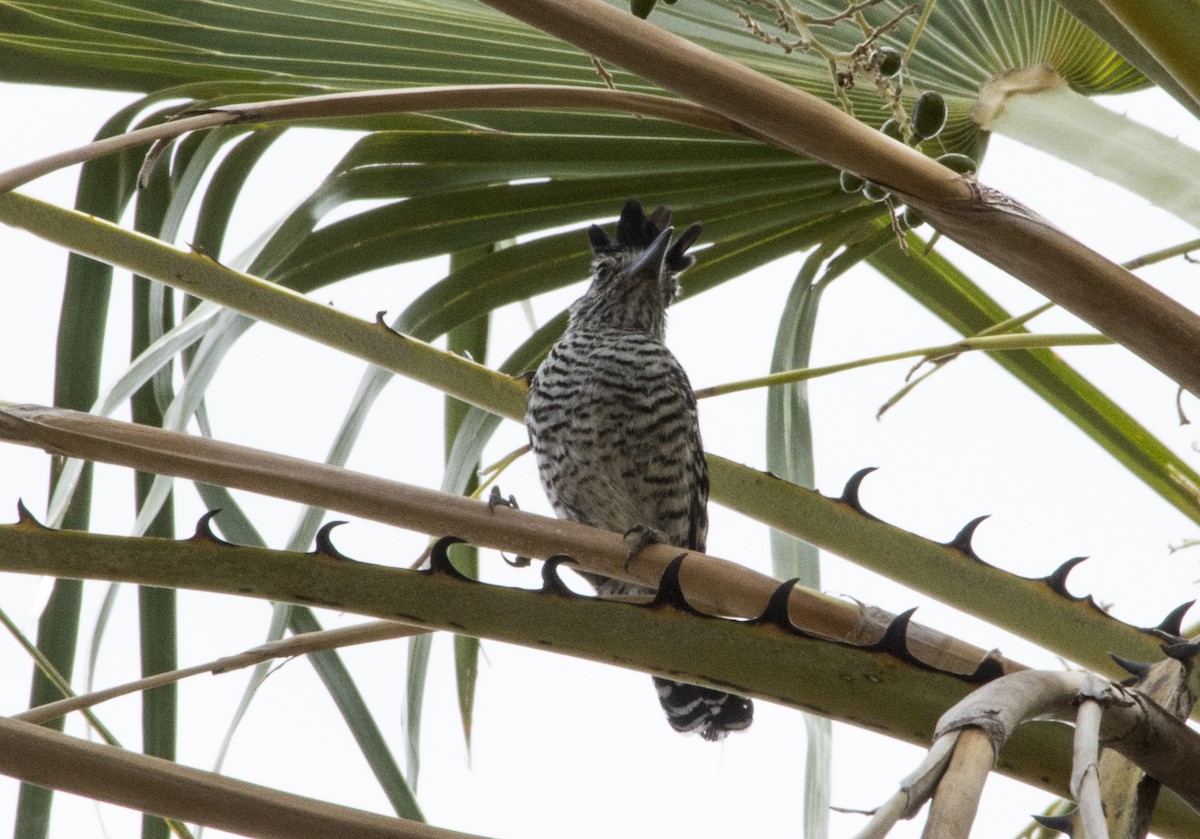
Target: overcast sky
567	746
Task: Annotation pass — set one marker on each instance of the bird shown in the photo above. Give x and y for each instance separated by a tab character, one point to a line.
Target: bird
613	425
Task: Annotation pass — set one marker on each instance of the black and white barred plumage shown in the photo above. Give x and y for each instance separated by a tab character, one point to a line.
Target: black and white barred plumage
612	419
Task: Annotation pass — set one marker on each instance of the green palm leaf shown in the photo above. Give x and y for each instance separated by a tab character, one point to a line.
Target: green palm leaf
465	179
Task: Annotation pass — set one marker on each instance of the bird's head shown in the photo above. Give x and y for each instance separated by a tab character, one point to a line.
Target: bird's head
635	278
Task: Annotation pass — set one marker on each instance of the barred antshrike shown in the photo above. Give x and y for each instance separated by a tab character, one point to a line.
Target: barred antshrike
612	419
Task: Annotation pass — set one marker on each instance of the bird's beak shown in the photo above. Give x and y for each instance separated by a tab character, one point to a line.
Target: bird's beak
652	261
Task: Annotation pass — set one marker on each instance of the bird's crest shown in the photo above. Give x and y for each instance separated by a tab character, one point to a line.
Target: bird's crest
636	231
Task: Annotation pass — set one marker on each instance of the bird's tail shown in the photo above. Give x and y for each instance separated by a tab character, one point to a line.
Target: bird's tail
710	713
689	708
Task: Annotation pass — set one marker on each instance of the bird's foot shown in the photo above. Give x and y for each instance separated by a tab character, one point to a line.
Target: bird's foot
638	537
496	499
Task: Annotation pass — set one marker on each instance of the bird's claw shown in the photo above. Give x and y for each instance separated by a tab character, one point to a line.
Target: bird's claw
497	500
638	537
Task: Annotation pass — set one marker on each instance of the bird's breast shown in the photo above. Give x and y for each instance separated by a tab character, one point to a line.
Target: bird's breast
613	425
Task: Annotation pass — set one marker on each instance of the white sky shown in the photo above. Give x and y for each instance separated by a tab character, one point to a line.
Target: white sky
566	746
